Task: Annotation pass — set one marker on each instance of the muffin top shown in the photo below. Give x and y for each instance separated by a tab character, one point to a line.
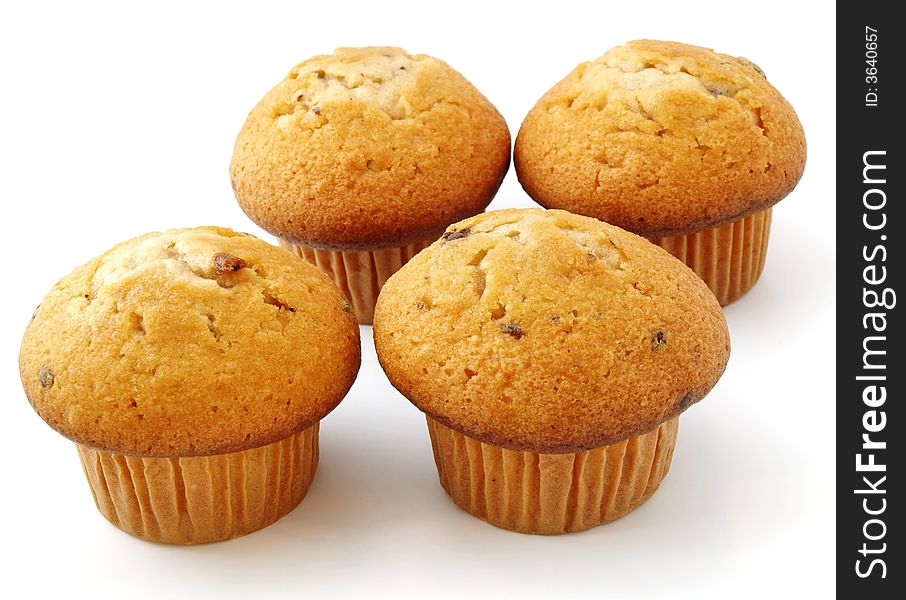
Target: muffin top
189	342
547	331
661	138
368	148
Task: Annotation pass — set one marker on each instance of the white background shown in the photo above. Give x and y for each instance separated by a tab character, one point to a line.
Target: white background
117	120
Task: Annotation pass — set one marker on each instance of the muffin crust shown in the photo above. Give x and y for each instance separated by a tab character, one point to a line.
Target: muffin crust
368	148
548	332
661	138
189	342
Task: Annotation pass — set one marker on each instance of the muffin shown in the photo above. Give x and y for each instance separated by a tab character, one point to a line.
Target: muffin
676	143
359	159
191	368
552	354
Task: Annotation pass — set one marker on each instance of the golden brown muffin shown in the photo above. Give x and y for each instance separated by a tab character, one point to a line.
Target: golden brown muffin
191	368
674	142
360	158
541	342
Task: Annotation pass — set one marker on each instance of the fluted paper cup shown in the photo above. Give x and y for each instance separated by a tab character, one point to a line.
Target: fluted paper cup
198	499
359	274
729	258
538	493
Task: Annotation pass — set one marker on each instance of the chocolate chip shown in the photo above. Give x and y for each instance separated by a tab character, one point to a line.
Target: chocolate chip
749	63
46	377
658	340
686	400
449	236
226	263
512	329
316	110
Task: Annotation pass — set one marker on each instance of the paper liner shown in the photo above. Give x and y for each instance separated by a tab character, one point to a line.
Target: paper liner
728	258
359	274
551	493
198	499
